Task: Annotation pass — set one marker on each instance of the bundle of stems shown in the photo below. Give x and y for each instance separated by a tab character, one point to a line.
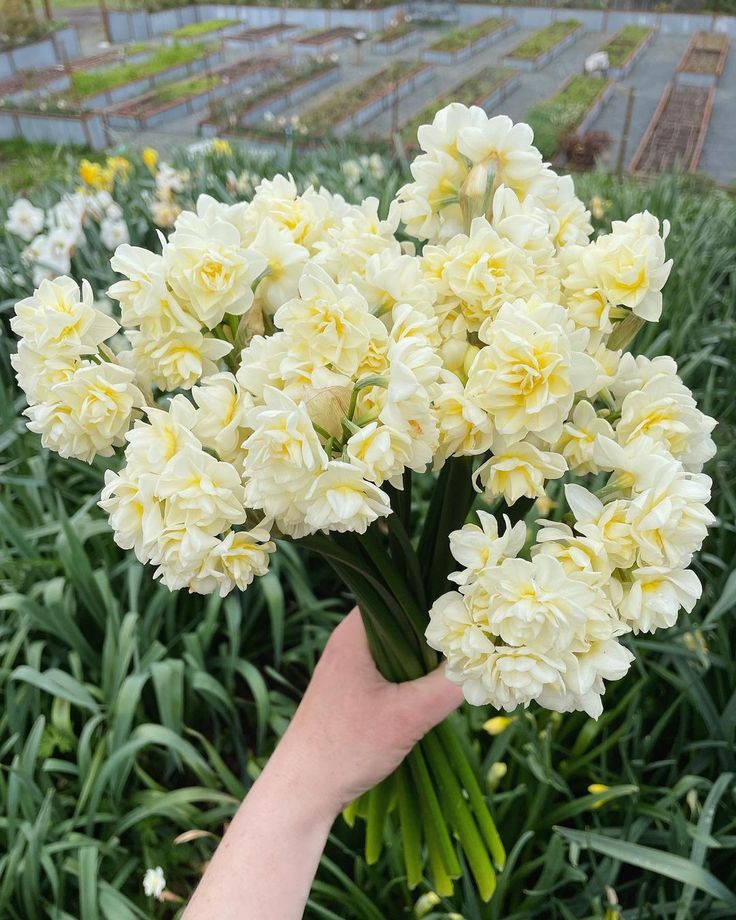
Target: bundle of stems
436	792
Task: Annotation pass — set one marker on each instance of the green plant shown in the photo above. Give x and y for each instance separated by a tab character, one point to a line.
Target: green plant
545	39
624	43
98	81
203	28
563	112
457	39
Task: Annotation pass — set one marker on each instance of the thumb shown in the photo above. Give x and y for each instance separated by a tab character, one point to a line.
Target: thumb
430	698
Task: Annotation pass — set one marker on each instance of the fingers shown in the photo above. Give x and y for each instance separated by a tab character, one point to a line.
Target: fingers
431	698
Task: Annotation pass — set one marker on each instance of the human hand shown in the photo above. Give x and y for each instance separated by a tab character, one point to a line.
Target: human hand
353	727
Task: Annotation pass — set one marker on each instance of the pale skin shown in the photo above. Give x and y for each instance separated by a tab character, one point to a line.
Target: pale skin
352	728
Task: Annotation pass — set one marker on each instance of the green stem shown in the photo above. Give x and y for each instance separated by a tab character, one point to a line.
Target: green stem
437	832
379	799
409	820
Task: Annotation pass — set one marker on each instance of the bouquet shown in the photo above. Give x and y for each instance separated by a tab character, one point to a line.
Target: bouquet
289	366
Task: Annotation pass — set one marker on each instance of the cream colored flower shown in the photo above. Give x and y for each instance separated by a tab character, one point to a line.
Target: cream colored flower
240	557
527	375
630	264
220	419
285	261
518	469
464	428
24	219
504	148
477	548
608	524
134	511
208	270
655	595
174	360
91	411
340	499
579	433
59	320
378	452
144	297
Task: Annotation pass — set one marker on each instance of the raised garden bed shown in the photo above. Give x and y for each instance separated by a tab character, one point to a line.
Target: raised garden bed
323	42
28	84
212	28
572	109
255	39
185	97
486	89
59	45
109	87
703	60
353	106
396	37
545	45
84	129
277	96
461	43
677	131
625	48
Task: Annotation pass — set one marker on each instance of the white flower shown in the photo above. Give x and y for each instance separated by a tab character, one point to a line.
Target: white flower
464	428
608	524
582	683
378	452
518	469
209	270
655	595
154	883
152	443
90	413
340	499
527	375
113	232
240	557
134	511
285	260
504	148
60	319
175	359
579	433
476	548
630	264
24	219
220	423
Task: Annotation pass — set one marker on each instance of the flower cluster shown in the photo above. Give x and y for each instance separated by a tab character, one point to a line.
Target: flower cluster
54	235
289	361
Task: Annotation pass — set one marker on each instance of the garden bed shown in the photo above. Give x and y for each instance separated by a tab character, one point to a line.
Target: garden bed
486	89
572	109
110	87
288	90
675	136
28	84
396	37
86	129
58	46
462	43
703	60
545	45
255	39
185	97
212	28
351	107
625	48
324	41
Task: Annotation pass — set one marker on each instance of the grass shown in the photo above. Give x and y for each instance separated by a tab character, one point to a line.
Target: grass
563	112
25	166
98	81
545	39
470	92
624	43
394	32
457	39
132	715
202	28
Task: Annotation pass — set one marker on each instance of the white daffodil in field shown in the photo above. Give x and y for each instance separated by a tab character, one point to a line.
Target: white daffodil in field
154	883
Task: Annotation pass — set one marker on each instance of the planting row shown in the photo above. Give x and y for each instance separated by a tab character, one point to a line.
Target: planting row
487	88
704	59
572	109
675	136
625	48
545	45
461	43
292	85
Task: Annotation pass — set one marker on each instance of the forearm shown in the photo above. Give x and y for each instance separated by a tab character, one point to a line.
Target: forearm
265	865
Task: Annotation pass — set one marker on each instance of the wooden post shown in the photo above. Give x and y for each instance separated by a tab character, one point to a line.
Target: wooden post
625	133
105	20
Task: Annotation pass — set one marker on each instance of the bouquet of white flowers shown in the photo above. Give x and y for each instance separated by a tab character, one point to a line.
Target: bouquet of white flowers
289	364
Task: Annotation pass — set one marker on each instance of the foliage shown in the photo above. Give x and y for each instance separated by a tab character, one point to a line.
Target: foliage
98	81
563	112
545	39
19	25
395	31
132	715
623	43
457	39
24	165
183	89
202	28
470	92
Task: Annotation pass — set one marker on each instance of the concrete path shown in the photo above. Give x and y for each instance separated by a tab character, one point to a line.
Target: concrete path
719	153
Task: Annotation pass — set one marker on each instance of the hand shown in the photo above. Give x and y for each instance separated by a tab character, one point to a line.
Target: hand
350	731
353	727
